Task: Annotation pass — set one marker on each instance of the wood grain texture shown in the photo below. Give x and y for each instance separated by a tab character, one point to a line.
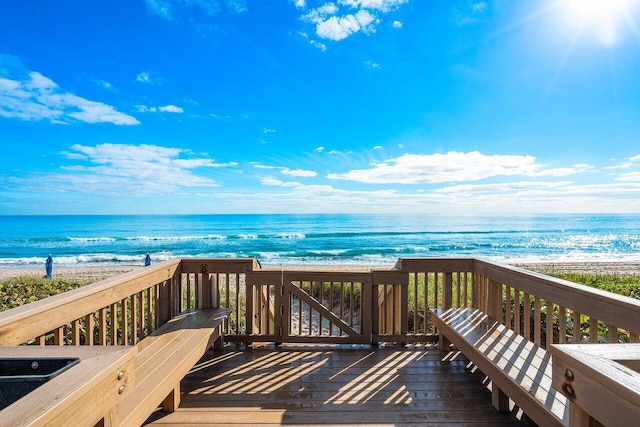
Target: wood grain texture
517	366
334	385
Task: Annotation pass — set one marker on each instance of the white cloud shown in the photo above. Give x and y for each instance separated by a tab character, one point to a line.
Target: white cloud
171	109
451	167
146	78
318	45
268	130
372	65
319	149
382	5
168	9
338	21
36	97
479	7
163	109
397	25
278	183
299	173
300	4
339	28
133	170
630	176
104	84
160	7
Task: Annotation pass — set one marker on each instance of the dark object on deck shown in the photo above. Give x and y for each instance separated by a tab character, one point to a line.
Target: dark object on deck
21	376
147	261
49	267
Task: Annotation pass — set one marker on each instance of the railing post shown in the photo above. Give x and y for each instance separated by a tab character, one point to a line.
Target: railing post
367	307
281	312
447	291
494	309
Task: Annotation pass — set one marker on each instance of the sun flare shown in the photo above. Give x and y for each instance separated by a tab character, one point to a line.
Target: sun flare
603	18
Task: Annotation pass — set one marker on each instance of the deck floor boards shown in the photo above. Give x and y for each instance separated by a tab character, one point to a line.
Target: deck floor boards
401	386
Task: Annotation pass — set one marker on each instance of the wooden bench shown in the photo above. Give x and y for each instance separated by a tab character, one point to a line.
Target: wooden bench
518	368
163	360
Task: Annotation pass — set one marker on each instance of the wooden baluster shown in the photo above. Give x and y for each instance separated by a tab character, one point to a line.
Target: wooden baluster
124	322
141	319
89	329
577	328
114	324
102	328
134	319
150	308
226	286
436	284
527	316
518	312
41	340
537	321
75	332
549	322
612	334
494	300
342	300
412	279
427	327
508	313
58	336
447	290
351	305
237	313
562	325
310	309
593	330
466	290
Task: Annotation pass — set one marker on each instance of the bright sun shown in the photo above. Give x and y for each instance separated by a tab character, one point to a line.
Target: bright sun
602	17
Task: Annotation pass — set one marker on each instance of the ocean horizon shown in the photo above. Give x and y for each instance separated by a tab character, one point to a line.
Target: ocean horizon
290	239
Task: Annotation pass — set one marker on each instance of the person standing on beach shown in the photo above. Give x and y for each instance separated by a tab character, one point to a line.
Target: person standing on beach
49	267
147	260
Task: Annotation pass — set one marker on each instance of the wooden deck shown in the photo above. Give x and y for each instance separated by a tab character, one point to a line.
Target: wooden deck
337	385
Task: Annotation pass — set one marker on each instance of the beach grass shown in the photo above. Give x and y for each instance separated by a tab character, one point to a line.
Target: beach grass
21	290
622	285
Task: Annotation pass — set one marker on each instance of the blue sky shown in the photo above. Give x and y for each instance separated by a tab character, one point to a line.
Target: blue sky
243	106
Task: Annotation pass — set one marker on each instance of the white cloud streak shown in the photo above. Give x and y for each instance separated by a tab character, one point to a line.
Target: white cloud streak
451	167
132	170
169	9
36	97
163	109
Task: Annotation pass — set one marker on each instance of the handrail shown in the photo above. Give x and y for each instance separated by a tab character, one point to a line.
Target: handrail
29	321
397	307
510	294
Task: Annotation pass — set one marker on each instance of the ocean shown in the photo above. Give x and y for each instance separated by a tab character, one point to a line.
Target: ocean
85	241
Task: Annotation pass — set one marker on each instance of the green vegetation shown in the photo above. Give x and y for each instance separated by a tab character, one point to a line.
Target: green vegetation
22	290
622	285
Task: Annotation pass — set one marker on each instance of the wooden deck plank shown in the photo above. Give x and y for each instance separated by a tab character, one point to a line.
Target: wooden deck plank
335	386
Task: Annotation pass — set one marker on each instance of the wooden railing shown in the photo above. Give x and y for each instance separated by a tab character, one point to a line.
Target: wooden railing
325	307
331	306
548	311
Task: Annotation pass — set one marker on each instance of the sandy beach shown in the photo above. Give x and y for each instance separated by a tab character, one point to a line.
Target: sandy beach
83	274
94	274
